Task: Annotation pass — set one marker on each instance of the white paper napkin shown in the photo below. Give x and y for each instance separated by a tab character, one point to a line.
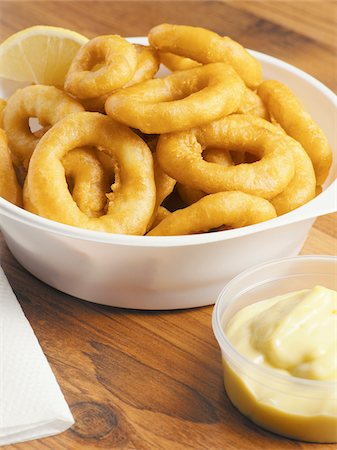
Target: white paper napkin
31	402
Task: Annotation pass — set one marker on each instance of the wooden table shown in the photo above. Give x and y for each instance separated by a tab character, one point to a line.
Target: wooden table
153	380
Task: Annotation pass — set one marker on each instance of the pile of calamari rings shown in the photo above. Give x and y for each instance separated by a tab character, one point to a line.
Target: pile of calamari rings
116	143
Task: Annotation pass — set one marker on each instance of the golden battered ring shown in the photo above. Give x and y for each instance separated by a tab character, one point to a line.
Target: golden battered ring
205	46
180	156
179	101
47	103
286	109
116	60
297	192
130	206
147	66
235	209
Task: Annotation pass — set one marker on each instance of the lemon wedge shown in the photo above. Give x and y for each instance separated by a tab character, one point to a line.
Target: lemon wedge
40	54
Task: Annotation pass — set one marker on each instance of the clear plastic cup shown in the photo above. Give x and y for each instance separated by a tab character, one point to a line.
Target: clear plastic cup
294	407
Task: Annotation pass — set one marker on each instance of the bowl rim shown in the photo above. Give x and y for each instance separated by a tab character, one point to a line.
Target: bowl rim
239	360
304	212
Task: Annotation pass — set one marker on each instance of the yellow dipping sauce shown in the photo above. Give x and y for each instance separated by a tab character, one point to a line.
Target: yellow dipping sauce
295	336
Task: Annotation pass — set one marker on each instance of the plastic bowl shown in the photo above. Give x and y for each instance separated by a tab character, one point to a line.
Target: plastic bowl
169	272
294	407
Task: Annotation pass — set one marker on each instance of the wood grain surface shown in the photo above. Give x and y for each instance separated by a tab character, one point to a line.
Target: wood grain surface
153	380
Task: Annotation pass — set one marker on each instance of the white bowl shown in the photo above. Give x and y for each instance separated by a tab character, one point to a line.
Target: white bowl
169	272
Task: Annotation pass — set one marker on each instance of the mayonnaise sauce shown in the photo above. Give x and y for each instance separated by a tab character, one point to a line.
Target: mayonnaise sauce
294	335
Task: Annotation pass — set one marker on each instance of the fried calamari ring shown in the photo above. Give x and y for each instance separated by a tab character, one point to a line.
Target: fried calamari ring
87	180
147	66
180	156
286	109
175	62
179	101
297	192
206	47
131	204
214	155
47	103
9	186
251	102
116	59
234	209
